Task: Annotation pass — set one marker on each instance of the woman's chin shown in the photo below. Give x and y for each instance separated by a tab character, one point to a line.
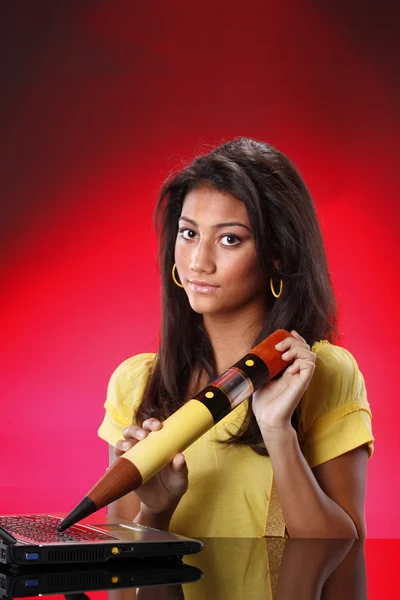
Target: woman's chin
203	305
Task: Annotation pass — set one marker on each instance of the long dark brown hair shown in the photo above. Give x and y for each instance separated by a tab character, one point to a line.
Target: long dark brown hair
285	227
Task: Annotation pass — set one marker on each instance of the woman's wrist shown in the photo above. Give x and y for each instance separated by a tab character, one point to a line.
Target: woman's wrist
278	436
157	520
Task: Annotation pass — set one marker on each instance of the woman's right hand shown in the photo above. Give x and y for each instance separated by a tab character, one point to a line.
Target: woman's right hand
161	494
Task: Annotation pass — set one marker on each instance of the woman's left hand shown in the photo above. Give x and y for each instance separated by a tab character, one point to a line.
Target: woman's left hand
275	402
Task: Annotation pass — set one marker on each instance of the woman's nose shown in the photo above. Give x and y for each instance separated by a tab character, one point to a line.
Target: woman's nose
202	259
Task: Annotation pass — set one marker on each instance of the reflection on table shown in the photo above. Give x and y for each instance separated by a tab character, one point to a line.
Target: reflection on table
231	569
279	569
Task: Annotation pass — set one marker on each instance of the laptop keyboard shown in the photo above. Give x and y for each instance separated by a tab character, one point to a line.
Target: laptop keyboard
42	529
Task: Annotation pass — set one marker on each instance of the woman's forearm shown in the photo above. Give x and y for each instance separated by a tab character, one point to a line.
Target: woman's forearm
307	510
155	520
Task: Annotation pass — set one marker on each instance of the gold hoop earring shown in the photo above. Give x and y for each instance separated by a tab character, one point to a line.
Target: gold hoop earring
272	288
174	277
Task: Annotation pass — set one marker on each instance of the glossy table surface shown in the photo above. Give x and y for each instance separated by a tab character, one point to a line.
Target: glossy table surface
232	569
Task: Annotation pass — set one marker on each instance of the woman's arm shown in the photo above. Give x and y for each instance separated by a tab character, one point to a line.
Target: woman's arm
327	502
153	503
130	508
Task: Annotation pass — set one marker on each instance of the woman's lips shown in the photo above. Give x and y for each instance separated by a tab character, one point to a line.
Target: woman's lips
202	287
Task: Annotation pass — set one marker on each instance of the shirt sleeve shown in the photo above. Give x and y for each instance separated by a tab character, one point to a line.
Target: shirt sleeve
124	394
334	413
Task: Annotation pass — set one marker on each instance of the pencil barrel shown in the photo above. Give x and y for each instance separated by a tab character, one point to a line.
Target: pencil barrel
178	432
184	427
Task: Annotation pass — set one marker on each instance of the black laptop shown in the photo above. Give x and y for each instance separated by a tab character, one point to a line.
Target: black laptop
78	579
34	539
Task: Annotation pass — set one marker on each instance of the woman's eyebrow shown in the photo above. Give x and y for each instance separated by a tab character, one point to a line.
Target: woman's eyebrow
230	224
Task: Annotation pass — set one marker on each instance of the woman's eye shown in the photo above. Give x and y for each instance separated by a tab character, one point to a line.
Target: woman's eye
231	240
187	234
226	240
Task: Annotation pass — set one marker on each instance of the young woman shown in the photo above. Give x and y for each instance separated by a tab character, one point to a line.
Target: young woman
241	255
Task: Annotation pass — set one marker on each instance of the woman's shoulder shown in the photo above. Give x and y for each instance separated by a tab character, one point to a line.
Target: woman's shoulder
136	367
127	385
333	358
336	371
337	386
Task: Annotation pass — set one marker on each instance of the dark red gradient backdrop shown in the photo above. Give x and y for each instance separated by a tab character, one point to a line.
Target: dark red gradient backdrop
99	102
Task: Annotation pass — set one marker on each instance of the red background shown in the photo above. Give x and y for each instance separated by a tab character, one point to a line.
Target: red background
99	102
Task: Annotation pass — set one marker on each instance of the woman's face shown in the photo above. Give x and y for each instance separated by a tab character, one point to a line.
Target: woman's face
215	254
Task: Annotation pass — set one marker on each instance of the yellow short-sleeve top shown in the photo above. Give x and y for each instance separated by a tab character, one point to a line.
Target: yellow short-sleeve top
230	486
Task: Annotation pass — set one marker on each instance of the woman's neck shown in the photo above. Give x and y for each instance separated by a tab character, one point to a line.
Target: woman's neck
232	336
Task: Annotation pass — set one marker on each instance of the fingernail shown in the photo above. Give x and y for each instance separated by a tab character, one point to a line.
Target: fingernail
126	445
278	346
140	434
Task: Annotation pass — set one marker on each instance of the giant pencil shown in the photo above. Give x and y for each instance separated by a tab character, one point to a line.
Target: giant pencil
184	427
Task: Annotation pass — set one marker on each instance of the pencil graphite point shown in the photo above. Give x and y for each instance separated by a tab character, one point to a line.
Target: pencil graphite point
85	508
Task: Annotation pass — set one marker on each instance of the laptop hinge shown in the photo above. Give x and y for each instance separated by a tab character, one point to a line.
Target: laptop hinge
7	537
